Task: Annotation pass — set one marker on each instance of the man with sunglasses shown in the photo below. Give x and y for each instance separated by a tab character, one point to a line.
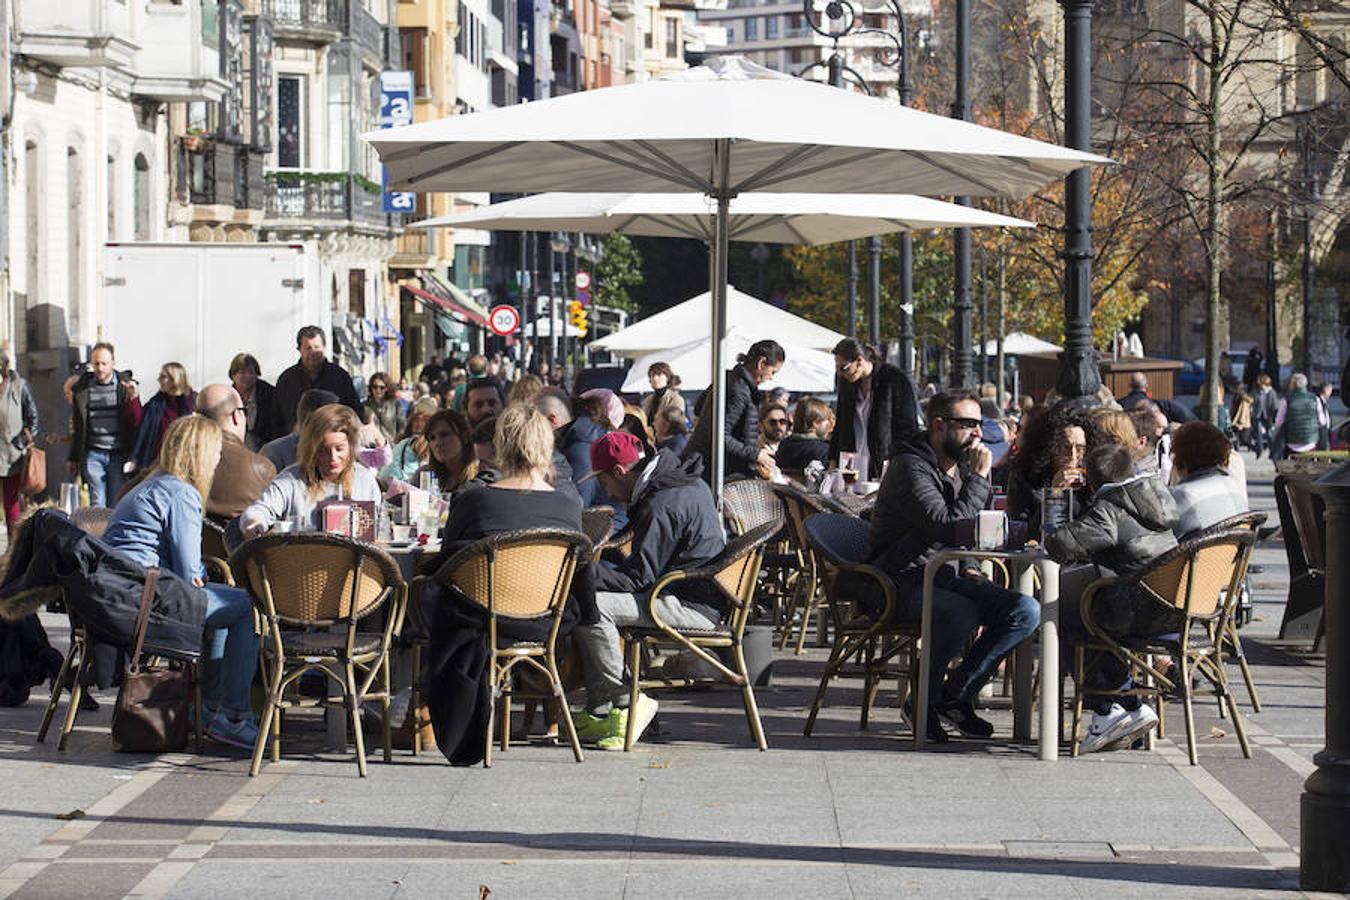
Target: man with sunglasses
934	481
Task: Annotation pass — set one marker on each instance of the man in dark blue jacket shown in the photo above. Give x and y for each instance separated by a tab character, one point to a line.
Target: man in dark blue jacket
936	480
675	526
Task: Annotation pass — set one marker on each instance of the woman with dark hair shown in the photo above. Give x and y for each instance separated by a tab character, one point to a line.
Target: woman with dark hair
665	391
451	458
878	409
740	436
382	407
1206	493
671	430
1050	453
246	376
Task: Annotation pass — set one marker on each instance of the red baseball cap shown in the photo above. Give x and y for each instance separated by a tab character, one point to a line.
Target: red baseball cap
617	448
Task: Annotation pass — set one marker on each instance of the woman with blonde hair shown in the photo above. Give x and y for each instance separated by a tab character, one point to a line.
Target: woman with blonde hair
525	389
326	468
1118	426
159	523
175	399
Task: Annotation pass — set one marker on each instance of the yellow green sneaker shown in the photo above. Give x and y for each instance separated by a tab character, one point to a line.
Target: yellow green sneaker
617	723
590	727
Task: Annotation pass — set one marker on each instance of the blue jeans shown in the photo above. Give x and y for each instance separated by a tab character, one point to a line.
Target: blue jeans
960	605
102	471
230	652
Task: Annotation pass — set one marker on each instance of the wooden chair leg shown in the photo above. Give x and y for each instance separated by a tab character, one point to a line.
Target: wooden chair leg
635	675
832	666
564	711
58	686
1242	664
416	700
76	692
353	703
267	723
1075	729
386	732
492	709
748	696
276	733
505	711
1189	713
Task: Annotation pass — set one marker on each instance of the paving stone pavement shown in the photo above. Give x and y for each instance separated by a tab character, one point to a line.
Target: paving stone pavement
696	812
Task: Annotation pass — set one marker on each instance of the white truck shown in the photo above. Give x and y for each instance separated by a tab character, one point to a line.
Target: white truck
201	303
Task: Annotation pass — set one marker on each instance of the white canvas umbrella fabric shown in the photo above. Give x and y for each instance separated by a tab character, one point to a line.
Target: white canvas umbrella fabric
722	129
1019	343
744	313
805	370
806	219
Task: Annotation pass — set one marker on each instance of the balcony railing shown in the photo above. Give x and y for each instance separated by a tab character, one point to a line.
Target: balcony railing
215	173
324	16
365	29
323	196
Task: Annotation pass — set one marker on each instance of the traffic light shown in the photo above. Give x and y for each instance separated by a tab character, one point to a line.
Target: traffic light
577	316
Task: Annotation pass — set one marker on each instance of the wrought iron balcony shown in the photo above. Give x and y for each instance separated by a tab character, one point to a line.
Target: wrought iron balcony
316	198
322	19
213	173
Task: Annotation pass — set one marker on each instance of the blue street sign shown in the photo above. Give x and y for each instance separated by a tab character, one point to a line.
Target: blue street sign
396	109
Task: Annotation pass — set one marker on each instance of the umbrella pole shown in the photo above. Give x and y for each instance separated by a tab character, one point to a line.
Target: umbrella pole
717	446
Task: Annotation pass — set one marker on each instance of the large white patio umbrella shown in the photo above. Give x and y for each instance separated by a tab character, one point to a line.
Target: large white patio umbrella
722	129
1019	343
805	370
744	313
808	219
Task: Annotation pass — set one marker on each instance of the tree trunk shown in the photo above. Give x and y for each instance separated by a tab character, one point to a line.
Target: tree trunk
1214	236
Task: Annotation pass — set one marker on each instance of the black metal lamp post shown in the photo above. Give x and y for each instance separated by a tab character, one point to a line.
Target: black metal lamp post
1078	373
1308	178
844	22
962	307
1325	806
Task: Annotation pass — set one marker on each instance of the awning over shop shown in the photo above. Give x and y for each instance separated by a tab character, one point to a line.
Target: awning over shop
463	309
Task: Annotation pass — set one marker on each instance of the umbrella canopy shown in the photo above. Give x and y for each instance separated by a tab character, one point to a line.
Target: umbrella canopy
1020	344
772	218
565	329
726	126
804	370
744	313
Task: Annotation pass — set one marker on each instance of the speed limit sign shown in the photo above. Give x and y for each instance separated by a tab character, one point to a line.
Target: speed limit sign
504	319
583	280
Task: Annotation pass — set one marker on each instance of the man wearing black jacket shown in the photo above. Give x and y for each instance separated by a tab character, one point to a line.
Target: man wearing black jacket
935	481
312	371
675	526
878	409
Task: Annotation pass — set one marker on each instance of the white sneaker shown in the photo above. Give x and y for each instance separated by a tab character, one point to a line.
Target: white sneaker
1103	729
1137	723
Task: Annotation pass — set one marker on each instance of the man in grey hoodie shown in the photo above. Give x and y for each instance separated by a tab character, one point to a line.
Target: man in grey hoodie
1128	524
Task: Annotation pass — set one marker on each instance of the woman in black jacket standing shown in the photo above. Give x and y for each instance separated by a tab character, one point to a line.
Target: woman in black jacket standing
877	410
740	437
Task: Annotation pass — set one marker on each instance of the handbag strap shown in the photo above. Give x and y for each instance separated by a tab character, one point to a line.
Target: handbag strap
143	615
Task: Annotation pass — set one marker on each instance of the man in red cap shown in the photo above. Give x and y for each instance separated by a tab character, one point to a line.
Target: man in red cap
675	526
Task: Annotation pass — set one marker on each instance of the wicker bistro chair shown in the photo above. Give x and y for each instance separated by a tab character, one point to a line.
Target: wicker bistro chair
1229	642
313	590
733	573
804	596
1199	579
750	503
597	523
840	544
517	575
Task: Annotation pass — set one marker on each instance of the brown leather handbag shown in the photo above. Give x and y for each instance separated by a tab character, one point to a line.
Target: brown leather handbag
151	715
33	478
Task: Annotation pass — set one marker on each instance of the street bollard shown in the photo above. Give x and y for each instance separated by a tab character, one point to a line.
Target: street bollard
1324	864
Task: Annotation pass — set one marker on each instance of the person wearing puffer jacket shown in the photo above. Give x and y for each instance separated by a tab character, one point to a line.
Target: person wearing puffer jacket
1128	523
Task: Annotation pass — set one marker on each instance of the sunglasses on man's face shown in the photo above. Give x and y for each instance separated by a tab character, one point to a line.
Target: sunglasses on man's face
967	424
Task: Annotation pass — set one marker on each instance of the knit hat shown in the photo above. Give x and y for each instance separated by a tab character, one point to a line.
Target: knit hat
613	405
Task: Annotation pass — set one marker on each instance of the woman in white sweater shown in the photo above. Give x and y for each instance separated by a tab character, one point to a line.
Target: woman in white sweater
325	470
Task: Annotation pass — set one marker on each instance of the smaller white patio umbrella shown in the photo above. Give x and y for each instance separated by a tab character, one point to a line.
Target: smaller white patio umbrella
1020	343
805	370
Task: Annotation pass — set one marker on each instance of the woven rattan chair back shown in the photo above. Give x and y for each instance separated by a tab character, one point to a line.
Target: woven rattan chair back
1193	576
316	579
795	505
92	519
750	503
737	566
1248	521
518	574
597	523
839	539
